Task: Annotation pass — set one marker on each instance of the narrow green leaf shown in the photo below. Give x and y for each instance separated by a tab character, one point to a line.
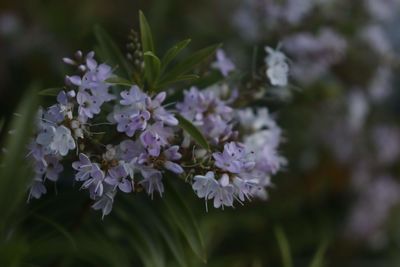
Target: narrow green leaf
115	80
50	91
188	77
2	122
111	54
59	228
284	247
189	63
145	243
14	172
173	52
154	66
145	33
193	132
318	260
182	216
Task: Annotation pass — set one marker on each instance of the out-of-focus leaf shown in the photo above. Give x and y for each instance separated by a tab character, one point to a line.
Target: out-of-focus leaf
284	247
2	122
115	80
188	77
318	260
152	63
173	52
189	63
146	244
111	54
193	132
50	91
59	228
182	216
145	34
154	66
14	172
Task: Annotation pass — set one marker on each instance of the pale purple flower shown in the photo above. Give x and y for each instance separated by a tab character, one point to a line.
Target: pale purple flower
205	185
88	105
129	149
131	121
159	113
62	141
134	97
152	181
208	187
105	203
118	177
171	154
84	167
95	182
37	188
223	63
53	168
233	159
155	137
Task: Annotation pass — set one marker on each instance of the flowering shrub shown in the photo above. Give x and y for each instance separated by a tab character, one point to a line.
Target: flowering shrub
123	126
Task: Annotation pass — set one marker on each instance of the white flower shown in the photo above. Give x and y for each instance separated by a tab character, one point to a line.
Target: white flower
277	67
62	141
256	121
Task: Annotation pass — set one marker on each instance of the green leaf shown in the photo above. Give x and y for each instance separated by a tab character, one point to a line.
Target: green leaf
318	260
188	77
2	122
50	91
152	63
115	80
145	34
284	247
173	52
193	132
59	228
189	63
182	217
144	242
111	53
14	172
153	71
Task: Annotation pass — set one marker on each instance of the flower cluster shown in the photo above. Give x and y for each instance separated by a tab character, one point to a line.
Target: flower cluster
144	143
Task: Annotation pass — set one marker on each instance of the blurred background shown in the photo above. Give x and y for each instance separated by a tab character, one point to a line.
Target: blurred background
342	128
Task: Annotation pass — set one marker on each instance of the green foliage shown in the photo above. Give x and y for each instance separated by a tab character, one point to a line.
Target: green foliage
193	132
14	172
111	54
284	247
50	91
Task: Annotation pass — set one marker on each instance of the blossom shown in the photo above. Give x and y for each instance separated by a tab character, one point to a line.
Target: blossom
117	177
223	63
159	113
105	203
62	141
208	187
37	188
95	182
155	137
88	105
152	181
171	154
277	67
233	159
131	121
84	167
134	98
